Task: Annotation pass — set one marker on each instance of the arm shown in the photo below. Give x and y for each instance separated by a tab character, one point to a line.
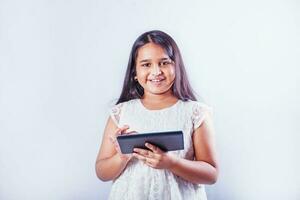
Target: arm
204	168
110	161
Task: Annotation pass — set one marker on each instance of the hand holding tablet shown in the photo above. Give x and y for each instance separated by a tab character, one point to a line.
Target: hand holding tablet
166	141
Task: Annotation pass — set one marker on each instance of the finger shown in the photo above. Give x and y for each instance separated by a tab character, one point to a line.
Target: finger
118	131
123	128
138	156
150	161
151	154
131	132
153	148
146	153
141	151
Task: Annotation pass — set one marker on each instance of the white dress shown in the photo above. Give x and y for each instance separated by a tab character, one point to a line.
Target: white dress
141	182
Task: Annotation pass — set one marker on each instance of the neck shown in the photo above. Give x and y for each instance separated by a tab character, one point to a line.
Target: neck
157	98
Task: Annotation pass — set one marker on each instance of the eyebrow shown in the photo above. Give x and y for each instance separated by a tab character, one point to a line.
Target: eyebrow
147	60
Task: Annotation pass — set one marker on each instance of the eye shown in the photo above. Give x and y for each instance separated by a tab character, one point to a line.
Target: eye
146	65
165	63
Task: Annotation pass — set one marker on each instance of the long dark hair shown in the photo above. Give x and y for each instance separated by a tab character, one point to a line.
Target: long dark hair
181	87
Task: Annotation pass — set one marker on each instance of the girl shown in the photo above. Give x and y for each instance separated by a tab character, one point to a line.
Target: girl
157	97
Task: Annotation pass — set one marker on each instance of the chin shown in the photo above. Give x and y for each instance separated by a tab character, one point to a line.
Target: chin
158	91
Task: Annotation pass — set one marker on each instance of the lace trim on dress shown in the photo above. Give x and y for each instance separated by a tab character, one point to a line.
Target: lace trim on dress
115	113
199	112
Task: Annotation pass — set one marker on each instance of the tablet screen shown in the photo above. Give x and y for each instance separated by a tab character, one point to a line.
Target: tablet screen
166	141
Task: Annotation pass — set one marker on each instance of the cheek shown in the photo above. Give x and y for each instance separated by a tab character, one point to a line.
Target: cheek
172	72
141	74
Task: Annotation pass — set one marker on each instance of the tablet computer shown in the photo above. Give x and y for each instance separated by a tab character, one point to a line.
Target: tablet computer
166	141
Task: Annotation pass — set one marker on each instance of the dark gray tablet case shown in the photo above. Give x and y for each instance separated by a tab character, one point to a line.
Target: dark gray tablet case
166	141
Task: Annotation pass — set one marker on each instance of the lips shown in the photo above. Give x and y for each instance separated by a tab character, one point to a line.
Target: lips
157	82
156	79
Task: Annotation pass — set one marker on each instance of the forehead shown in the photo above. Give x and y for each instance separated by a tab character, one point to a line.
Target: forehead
151	51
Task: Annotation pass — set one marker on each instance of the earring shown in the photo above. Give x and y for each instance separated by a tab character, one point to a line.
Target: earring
135	78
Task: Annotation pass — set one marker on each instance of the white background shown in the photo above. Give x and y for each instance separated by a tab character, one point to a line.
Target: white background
62	63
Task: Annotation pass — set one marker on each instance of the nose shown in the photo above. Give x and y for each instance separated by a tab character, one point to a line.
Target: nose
156	70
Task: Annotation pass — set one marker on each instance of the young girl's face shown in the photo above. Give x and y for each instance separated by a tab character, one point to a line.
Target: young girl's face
155	71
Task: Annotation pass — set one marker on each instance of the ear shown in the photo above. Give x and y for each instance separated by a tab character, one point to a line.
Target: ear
135	78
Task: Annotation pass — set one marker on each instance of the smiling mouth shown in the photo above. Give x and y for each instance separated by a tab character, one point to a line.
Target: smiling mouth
157	80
